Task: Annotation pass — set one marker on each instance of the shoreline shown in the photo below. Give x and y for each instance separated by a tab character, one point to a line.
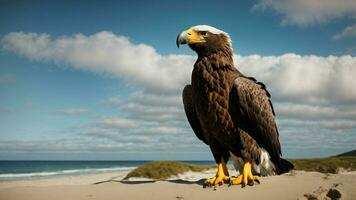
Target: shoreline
41	177
39	169
64	179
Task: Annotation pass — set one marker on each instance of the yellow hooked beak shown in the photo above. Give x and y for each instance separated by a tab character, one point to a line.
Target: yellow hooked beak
189	36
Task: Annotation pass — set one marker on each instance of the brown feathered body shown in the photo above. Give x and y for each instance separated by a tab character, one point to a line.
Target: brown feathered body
230	112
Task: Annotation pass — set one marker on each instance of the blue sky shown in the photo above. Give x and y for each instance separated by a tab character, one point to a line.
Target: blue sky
102	79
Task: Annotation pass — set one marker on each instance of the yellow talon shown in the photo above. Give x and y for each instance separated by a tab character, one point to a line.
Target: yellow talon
221	176
246	177
236	181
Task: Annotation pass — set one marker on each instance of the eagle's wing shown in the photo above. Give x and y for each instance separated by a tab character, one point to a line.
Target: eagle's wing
257	114
191	114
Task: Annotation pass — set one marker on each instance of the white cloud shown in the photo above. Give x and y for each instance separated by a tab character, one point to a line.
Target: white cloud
149	112
348	32
303	88
156	138
73	111
338	124
140	65
328	124
115	101
315	111
309	12
118	122
118	138
164	130
158	100
104	52
304	78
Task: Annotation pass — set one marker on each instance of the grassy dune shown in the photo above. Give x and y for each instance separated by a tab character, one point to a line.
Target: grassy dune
164	169
345	161
349	153
326	165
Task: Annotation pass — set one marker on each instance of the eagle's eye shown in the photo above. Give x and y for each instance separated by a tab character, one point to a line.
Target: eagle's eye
204	33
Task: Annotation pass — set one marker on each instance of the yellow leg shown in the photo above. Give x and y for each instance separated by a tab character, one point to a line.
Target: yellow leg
246	177
221	176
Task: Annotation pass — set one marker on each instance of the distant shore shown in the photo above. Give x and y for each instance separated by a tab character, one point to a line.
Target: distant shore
29	170
109	185
64	180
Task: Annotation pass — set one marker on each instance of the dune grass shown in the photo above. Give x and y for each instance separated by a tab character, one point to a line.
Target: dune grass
164	169
349	153
326	165
161	170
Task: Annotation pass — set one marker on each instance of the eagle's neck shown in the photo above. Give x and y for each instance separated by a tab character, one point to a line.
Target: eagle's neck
214	72
219	62
222	55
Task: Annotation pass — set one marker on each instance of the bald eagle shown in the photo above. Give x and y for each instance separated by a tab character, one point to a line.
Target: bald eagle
230	112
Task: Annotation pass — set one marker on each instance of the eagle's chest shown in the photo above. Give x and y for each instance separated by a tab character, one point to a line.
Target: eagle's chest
211	89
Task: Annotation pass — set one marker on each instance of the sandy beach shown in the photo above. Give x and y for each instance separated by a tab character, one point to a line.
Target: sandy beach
107	186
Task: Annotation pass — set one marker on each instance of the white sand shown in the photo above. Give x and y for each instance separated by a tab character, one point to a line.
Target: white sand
295	185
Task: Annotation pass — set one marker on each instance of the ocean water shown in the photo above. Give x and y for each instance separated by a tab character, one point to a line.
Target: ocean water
20	170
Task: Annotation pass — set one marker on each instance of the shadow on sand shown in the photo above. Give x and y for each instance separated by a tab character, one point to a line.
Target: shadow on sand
178	181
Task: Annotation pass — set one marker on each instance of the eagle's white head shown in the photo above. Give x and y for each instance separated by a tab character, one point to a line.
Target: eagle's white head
205	39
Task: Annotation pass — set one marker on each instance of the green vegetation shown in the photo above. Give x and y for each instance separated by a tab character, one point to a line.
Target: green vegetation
160	170
349	153
326	165
164	169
